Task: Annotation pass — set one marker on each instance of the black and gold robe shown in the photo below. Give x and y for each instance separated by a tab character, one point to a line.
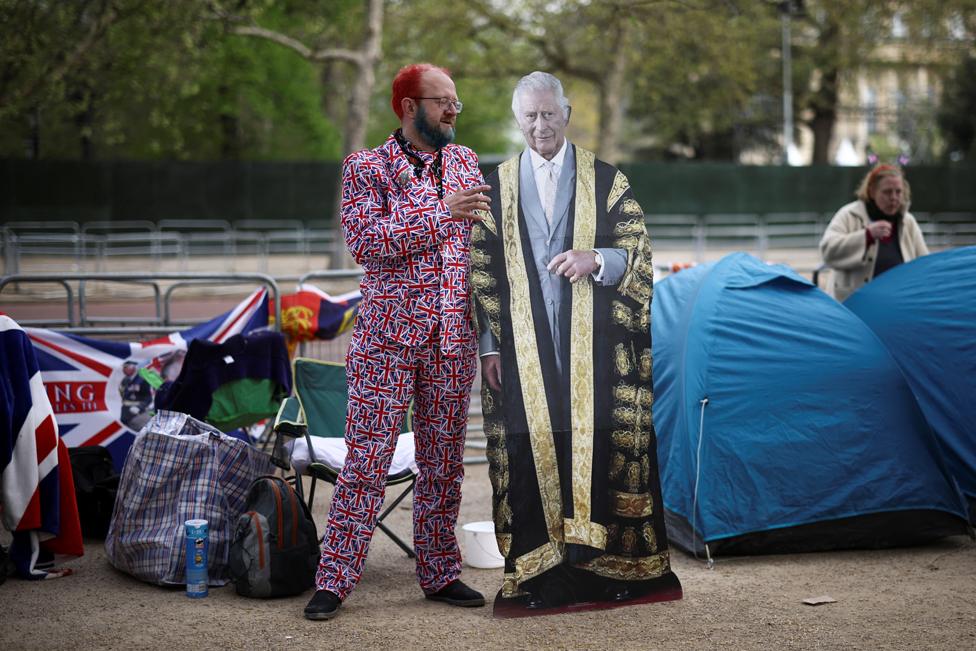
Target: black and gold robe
572	456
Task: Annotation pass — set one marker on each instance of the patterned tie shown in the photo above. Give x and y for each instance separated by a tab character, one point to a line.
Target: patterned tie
549	190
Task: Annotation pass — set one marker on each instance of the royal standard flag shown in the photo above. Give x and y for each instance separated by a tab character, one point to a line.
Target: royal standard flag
311	313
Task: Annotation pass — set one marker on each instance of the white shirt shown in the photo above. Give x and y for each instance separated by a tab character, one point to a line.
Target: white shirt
539	170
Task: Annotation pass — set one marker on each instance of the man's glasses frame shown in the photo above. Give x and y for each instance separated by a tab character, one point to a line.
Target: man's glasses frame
444	102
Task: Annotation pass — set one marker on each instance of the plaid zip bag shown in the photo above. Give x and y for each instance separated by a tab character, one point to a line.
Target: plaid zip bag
179	469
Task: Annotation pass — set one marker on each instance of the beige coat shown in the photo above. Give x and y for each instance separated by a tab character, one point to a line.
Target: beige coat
844	248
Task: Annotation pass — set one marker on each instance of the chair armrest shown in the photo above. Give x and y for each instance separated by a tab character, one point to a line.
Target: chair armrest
289	424
290	419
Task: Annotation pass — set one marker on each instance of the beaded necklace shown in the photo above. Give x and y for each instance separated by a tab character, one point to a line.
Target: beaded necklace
418	164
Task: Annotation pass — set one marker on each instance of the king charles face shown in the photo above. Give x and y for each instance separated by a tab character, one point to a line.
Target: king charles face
542	122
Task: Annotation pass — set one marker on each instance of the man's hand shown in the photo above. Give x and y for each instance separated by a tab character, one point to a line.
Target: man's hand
573	264
467	204
880	230
491	371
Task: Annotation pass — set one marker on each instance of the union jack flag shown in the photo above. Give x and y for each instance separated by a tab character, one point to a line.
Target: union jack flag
37	500
92	384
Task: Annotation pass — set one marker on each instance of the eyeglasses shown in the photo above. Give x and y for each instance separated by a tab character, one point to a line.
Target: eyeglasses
444	102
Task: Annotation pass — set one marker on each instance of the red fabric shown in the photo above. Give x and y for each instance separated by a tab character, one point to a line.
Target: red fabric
69	540
45	437
300	315
413	339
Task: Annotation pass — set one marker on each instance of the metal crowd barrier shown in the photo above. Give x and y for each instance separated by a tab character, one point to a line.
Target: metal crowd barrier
89	246
763	233
93	244
79	321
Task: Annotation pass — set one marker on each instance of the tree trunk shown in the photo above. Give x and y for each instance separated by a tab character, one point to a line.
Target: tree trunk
824	118
84	120
231	147
357	117
364	60
612	95
33	133
331	76
823	103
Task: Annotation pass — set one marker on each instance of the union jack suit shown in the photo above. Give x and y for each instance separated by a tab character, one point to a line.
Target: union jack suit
414	339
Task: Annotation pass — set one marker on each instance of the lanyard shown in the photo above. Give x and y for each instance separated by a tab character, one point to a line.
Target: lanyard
436	168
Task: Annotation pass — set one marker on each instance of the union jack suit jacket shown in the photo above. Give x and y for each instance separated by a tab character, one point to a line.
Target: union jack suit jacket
414	255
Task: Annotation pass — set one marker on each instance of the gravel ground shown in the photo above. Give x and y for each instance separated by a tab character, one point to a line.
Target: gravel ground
923	597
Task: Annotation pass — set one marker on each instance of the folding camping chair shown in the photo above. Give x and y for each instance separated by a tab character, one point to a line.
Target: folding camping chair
310	428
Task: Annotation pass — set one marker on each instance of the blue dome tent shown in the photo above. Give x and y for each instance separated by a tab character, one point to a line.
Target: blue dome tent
783	423
925	313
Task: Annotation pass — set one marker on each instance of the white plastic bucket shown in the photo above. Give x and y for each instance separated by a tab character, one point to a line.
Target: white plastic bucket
480	546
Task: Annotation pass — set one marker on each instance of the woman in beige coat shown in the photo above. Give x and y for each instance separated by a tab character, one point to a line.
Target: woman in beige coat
873	234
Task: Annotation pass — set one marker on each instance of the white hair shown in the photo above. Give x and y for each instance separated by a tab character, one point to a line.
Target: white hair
540	81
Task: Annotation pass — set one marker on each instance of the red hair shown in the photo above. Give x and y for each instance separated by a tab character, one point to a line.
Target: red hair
878	172
407	83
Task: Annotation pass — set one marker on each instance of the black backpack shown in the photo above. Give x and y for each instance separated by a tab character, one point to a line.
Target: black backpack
96	485
275	550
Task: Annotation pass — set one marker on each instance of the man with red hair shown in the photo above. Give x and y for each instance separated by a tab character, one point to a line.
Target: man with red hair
407	211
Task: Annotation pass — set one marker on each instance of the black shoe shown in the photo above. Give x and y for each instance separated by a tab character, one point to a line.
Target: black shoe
323	605
458	594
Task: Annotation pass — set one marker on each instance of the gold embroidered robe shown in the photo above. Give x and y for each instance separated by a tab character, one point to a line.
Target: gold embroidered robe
572	455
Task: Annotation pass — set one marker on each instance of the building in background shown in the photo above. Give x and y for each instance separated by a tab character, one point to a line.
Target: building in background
887	106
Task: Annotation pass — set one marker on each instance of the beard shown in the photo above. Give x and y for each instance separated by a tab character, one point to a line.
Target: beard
431	134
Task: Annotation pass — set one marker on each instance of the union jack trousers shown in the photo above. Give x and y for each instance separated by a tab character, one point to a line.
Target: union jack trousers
383	377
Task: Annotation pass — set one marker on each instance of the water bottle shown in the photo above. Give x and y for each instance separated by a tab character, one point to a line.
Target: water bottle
197	546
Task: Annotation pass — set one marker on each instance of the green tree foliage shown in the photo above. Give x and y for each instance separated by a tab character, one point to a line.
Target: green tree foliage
162	80
706	84
216	97
41	45
647	78
656	75
837	40
421	31
44	41
343	41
